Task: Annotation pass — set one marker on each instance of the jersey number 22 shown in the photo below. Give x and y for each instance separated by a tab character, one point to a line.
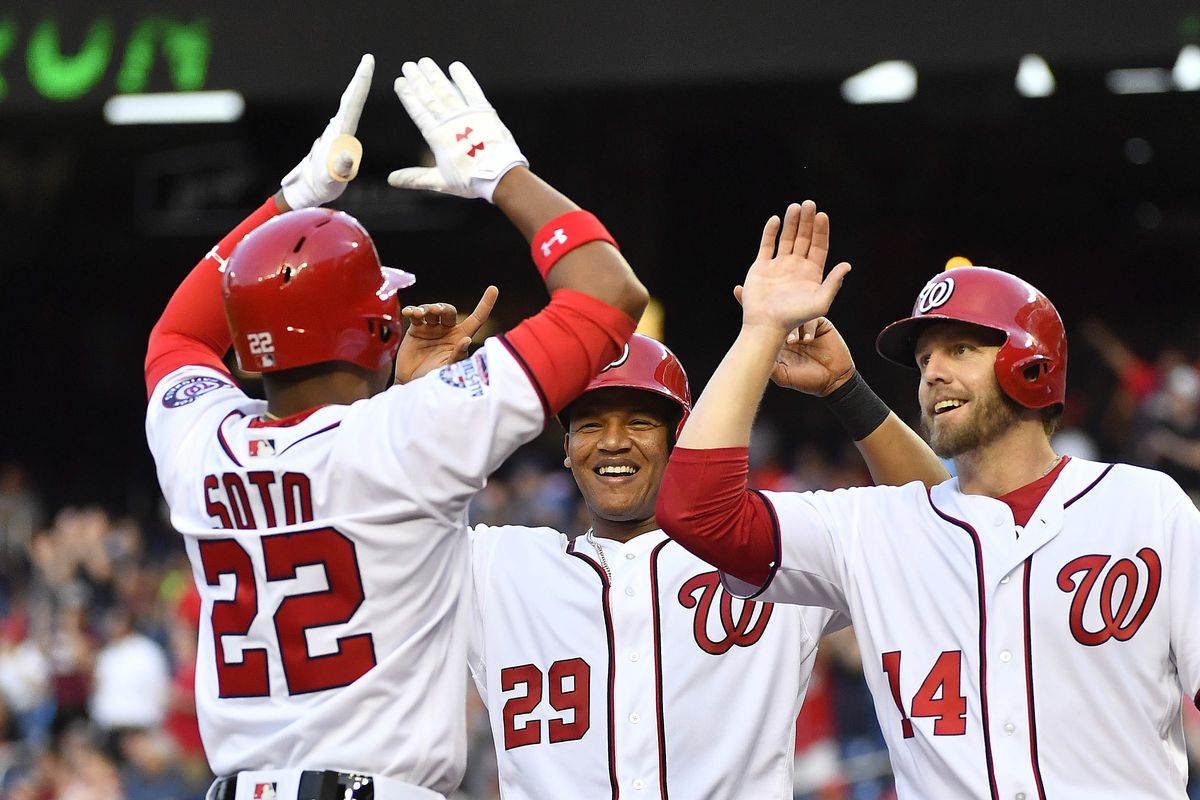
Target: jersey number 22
283	554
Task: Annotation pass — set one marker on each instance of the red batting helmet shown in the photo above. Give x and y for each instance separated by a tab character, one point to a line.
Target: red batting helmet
1032	363
307	287
649	365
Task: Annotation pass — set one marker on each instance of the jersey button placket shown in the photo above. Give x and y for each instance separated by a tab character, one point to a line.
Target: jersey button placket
634	689
1007	690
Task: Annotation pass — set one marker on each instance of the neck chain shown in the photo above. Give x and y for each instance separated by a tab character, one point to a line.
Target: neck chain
1050	468
599	552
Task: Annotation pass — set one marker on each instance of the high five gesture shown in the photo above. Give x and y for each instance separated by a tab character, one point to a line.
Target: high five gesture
786	285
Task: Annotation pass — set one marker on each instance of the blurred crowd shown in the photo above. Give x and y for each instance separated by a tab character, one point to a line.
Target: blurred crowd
97	656
99	617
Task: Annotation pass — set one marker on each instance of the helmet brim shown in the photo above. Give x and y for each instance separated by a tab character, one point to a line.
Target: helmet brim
564	416
898	341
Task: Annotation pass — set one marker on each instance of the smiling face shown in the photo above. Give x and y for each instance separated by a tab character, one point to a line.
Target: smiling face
618	442
962	405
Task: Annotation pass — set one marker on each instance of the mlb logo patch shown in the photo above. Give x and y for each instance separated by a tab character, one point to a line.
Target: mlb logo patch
261	447
264	791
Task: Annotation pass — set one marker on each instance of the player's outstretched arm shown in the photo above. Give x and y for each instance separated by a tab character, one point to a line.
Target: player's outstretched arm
595	296
704	503
477	156
193	329
578	254
816	361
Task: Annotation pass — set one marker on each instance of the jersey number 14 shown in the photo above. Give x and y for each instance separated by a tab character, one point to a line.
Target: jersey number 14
940	695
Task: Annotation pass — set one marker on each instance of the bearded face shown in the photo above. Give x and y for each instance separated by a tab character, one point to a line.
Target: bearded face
979	421
962	405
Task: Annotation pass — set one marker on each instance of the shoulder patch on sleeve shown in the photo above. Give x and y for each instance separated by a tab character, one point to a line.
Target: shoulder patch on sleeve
470	374
188	389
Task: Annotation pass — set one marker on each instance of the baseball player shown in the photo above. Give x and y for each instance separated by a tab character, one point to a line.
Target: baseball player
606	660
1027	627
326	526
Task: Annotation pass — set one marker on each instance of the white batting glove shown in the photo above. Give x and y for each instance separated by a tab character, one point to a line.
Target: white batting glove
333	161
472	147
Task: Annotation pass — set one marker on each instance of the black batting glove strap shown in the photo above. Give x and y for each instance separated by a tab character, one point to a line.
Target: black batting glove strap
857	407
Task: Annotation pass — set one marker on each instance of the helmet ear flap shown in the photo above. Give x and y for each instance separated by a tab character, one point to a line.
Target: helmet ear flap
1030	381
385	332
1034	368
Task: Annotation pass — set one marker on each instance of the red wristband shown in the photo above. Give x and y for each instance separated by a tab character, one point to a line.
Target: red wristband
563	234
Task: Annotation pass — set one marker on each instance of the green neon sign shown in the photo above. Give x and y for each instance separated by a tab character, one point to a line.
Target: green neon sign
65	76
187	48
8	37
59	76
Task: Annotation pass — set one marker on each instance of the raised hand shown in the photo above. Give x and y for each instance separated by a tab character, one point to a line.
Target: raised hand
472	147
814	359
435	337
333	161
786	285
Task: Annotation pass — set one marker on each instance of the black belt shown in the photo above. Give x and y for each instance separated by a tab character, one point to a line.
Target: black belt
314	785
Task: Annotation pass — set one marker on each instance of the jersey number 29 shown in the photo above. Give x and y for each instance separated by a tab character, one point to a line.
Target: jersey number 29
283	554
572	671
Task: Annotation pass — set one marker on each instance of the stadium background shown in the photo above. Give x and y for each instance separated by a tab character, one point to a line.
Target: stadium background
683	125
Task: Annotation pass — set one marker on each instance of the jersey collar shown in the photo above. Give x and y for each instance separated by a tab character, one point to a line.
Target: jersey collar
283	422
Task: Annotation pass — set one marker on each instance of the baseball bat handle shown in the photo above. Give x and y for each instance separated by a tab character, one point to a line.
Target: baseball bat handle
345	154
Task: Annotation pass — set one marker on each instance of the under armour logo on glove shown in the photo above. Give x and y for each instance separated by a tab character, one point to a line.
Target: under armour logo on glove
559	237
462	137
470	145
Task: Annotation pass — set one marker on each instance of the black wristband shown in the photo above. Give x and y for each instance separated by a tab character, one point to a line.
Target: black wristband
857	407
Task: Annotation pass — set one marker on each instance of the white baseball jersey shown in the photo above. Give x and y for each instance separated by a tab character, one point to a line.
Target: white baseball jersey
1040	662
656	683
331	555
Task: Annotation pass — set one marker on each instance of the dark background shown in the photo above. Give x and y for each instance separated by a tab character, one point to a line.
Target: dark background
683	126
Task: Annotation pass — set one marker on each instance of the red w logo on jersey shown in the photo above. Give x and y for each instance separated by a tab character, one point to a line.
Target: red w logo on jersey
744	632
1116	619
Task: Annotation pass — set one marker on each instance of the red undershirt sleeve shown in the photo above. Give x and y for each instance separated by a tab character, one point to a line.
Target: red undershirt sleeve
705	506
192	328
567	343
